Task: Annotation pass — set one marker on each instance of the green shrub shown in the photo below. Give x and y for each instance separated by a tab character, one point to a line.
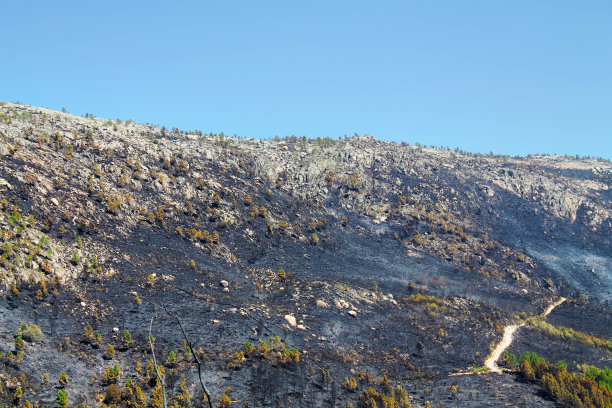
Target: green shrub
62	398
75	258
112	374
31	333
63	378
127	337
510	359
88	332
43	242
19	344
172	357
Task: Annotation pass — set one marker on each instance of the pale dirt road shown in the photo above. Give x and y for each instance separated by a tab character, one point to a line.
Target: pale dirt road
491	362
551	307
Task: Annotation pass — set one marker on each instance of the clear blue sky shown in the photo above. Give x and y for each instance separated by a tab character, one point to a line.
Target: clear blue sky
513	77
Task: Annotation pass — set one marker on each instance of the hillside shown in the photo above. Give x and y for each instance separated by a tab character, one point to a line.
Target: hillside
303	271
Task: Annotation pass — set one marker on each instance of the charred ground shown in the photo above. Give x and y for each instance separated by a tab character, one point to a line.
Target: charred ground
401	264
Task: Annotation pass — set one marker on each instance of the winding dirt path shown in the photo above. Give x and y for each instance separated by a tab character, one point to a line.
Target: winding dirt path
551	307
491	362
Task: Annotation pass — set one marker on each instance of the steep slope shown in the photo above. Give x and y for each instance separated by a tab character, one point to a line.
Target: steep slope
399	262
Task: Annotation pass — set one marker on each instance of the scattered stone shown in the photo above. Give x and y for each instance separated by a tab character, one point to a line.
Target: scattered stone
341	304
54	201
322	303
352	313
116	329
224	284
291	320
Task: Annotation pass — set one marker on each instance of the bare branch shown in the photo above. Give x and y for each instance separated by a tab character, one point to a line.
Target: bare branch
193	353
159	376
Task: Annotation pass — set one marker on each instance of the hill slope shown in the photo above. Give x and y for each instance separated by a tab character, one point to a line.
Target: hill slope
398	261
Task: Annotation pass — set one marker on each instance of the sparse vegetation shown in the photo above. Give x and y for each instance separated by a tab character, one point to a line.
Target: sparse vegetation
107	212
568	334
31	333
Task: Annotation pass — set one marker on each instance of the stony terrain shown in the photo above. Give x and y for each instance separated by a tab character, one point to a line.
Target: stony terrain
345	264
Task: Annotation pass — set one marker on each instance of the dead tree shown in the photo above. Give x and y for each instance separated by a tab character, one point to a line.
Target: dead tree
159	376
193	353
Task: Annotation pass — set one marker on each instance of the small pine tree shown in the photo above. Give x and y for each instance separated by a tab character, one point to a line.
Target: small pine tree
62	398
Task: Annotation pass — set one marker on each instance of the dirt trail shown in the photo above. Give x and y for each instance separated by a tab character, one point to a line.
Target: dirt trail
551	307
491	362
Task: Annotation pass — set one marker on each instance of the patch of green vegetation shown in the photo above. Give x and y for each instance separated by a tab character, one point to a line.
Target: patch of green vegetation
324	141
565	333
31	333
602	376
591	388
424	298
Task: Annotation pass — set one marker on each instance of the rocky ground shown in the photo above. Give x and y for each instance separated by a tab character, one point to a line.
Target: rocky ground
395	265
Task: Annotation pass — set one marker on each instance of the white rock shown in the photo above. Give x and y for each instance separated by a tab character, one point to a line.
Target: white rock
322	303
54	201
133	293
116	329
224	283
301	327
83	304
291	320
352	313
226	290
